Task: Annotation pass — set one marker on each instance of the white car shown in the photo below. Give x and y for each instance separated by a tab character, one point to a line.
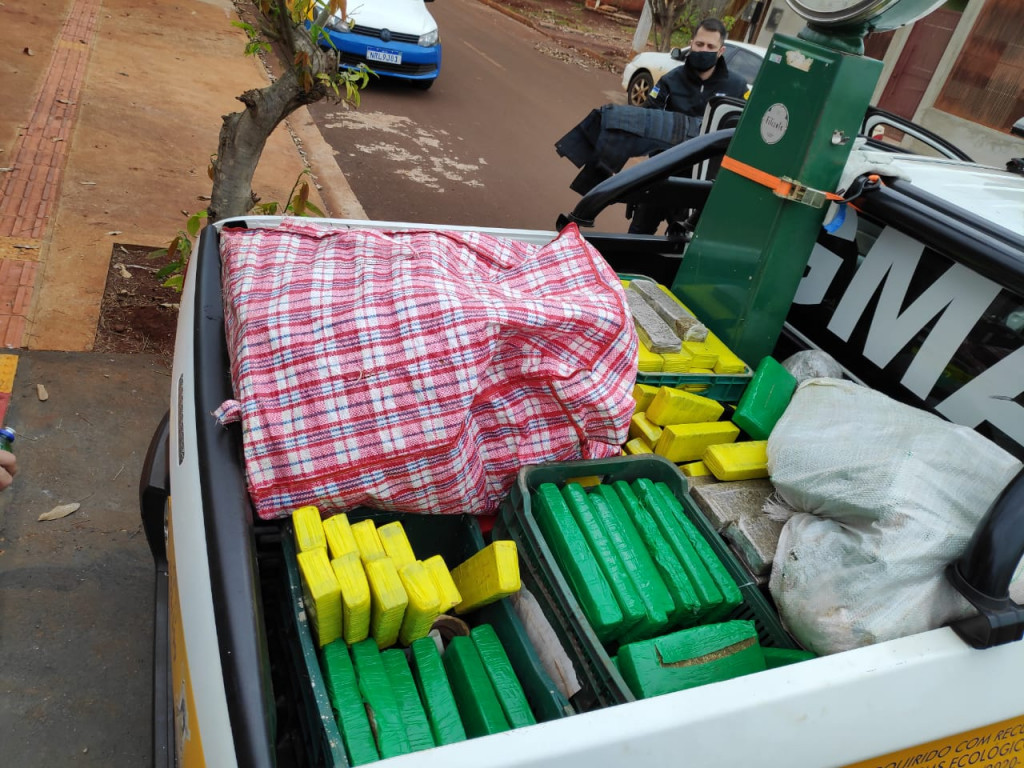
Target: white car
647	68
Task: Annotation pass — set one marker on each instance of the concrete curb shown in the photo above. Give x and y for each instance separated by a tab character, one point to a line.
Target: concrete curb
334	189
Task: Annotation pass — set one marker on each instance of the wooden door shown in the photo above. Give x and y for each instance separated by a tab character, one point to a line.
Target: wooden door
916	65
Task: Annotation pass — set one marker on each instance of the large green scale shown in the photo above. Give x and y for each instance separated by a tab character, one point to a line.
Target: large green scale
755	235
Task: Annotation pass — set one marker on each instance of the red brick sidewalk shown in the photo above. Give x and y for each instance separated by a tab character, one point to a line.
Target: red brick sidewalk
29	191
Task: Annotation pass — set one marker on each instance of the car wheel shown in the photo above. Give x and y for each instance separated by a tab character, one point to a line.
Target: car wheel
639	88
422	85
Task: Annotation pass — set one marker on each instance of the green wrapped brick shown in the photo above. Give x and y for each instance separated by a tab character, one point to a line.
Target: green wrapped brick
417	728
577	562
707	591
435	693
765	399
677	580
384	710
608	557
347	703
690	658
637	560
781	657
478	704
731	596
503	678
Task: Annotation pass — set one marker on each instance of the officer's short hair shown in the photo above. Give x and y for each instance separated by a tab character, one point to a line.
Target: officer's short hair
713	25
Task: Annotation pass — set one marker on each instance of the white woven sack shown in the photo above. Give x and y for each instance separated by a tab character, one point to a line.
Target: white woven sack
885	496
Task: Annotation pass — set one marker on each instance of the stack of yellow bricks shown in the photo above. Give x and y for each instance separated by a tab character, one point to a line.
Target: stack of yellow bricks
360	580
711	356
687	430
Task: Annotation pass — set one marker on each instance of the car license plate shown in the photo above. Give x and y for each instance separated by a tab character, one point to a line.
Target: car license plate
379	54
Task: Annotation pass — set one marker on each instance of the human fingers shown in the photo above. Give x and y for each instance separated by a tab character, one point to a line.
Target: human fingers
8	466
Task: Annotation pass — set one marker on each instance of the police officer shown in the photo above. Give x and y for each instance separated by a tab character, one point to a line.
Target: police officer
687	89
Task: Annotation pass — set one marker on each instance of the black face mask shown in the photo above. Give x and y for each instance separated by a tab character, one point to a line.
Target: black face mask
701	61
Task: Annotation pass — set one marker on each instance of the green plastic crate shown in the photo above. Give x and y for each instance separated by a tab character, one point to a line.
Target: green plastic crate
723	387
602	685
455	538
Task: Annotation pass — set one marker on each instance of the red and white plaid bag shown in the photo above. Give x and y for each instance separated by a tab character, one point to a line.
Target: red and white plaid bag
418	371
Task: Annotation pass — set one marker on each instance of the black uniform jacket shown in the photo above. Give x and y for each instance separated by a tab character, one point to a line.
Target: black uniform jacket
682	90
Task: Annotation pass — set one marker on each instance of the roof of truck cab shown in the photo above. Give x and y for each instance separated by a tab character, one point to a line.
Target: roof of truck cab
989	193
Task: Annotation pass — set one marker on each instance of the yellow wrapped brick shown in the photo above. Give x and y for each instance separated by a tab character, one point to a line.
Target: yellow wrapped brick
674	406
396	544
636	446
449	593
703	356
355	597
677	362
687	442
587	481
641	427
309	530
738	461
695	469
728	363
696	388
489	575
368	541
643	394
387	600
424	603
648	362
321	593
340	540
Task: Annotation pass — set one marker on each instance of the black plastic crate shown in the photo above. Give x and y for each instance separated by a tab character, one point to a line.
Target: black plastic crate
602	685
455	538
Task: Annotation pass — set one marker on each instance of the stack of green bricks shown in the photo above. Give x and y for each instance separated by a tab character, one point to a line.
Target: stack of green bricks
394	702
649	584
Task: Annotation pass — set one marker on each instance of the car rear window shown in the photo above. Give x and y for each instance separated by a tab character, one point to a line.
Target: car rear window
744	63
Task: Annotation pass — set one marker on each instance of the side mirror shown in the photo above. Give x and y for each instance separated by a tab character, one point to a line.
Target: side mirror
677	54
1018	128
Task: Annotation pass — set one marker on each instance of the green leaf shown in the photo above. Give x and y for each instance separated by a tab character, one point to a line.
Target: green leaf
312	210
194	222
176	282
170	269
157	253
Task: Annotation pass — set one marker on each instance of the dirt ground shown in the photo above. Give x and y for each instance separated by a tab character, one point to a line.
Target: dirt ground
139	315
607	31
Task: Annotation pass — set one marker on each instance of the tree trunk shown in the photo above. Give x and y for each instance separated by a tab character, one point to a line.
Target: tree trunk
244	134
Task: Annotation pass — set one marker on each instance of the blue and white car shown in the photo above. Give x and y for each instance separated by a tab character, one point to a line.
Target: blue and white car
394	38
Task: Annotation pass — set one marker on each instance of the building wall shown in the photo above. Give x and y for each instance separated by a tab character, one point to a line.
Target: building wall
984	144
789	22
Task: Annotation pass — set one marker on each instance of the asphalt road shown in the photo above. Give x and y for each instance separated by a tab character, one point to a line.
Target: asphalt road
477	148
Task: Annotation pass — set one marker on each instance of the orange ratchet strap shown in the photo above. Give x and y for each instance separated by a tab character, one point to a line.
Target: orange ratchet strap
783	186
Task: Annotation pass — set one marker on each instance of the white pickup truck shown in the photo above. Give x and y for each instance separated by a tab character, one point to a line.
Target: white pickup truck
920	294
